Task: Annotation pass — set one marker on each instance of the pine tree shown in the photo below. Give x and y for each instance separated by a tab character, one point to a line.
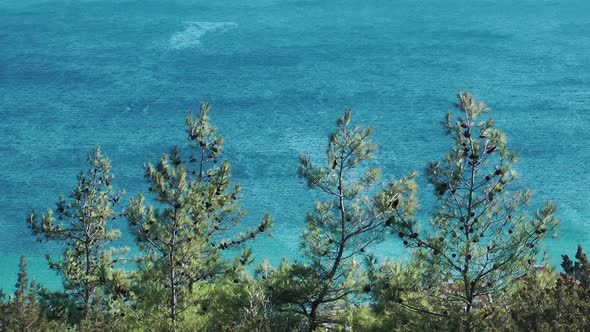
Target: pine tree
83	227
192	220
339	230
22	283
23	312
578	271
479	235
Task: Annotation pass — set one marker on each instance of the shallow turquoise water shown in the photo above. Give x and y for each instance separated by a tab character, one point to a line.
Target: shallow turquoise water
122	74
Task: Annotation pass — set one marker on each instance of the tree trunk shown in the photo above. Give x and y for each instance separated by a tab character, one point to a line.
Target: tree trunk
172	276
173	298
86	282
313	317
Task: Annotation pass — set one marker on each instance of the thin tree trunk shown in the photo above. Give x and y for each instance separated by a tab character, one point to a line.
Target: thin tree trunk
313	312
172	273
87	281
173	298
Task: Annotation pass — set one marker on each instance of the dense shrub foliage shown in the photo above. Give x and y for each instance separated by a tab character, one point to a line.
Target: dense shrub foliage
475	262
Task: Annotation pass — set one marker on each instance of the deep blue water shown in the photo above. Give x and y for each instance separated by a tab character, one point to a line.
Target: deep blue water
123	74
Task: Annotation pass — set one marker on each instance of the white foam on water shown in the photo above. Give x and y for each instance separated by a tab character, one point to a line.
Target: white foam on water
191	35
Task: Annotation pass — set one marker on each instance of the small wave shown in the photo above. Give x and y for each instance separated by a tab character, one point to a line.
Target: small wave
191	35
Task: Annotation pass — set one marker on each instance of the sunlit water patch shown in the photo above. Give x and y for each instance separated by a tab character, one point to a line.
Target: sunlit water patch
194	31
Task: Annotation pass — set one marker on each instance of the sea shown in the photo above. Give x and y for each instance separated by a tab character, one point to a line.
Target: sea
124	74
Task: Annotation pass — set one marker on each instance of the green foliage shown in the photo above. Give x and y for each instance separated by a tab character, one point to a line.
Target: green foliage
82	226
479	236
550	302
338	231
60	310
402	300
243	306
262	315
191	223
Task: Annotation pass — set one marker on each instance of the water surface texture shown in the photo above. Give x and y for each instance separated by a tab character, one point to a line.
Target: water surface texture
123	74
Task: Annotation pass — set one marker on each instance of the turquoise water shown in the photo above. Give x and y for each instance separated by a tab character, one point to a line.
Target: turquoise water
123	74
